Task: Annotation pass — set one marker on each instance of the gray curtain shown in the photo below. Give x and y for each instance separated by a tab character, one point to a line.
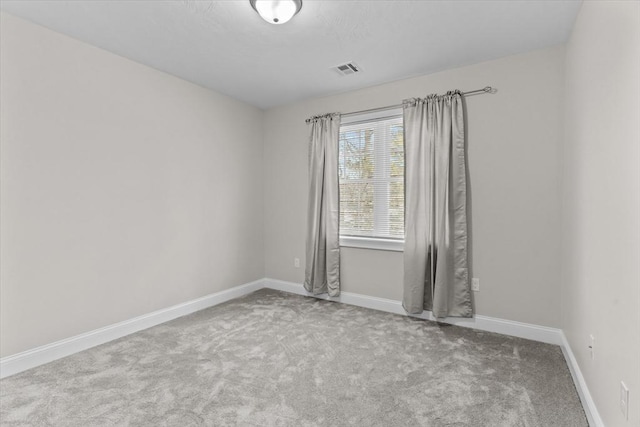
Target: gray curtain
435	251
322	270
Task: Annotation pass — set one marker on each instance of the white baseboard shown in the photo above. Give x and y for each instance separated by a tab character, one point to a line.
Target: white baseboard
590	409
19	362
483	323
16	363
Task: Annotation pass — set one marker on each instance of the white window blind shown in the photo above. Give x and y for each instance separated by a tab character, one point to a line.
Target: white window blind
371	168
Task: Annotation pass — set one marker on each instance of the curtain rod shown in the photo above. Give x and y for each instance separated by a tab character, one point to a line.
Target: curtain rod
486	89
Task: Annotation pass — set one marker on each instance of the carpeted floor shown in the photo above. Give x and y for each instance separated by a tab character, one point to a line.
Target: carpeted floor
277	359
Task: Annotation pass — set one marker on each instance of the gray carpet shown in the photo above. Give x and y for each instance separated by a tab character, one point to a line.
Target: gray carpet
277	359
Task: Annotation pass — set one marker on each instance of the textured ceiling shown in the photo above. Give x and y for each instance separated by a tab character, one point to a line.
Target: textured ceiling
226	46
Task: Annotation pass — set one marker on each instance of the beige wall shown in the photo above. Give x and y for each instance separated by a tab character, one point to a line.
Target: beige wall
601	210
123	189
514	140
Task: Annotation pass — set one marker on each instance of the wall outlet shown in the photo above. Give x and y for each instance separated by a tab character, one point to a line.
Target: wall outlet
475	284
624	400
296	262
592	344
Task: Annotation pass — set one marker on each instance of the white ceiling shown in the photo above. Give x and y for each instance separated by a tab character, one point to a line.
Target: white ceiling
226	46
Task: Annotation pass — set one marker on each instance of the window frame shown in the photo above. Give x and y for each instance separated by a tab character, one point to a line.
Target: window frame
365	242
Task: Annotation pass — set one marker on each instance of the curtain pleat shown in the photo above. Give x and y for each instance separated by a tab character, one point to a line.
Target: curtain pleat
435	254
322	270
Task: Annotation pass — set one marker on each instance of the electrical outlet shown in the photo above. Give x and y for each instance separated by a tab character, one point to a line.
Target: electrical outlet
592	344
624	400
296	262
475	284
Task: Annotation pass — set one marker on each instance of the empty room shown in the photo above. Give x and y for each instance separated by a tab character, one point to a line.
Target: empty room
320	213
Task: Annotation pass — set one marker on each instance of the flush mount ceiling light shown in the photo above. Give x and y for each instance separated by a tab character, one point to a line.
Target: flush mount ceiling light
276	11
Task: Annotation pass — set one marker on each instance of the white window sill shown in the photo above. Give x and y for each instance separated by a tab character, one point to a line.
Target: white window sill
372	243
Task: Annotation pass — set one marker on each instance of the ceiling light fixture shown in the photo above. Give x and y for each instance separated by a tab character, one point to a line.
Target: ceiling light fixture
276	11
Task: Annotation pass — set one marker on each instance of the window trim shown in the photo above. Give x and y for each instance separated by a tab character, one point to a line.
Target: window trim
365	242
376	243
387	113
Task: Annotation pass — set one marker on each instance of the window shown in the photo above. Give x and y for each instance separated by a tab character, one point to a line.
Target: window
371	177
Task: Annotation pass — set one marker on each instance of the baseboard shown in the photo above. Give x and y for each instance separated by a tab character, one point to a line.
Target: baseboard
16	363
483	323
19	362
350	298
588	404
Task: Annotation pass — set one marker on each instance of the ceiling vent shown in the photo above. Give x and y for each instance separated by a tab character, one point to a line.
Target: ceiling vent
346	69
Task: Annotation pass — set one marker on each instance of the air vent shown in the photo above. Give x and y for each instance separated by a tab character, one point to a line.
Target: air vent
346	69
